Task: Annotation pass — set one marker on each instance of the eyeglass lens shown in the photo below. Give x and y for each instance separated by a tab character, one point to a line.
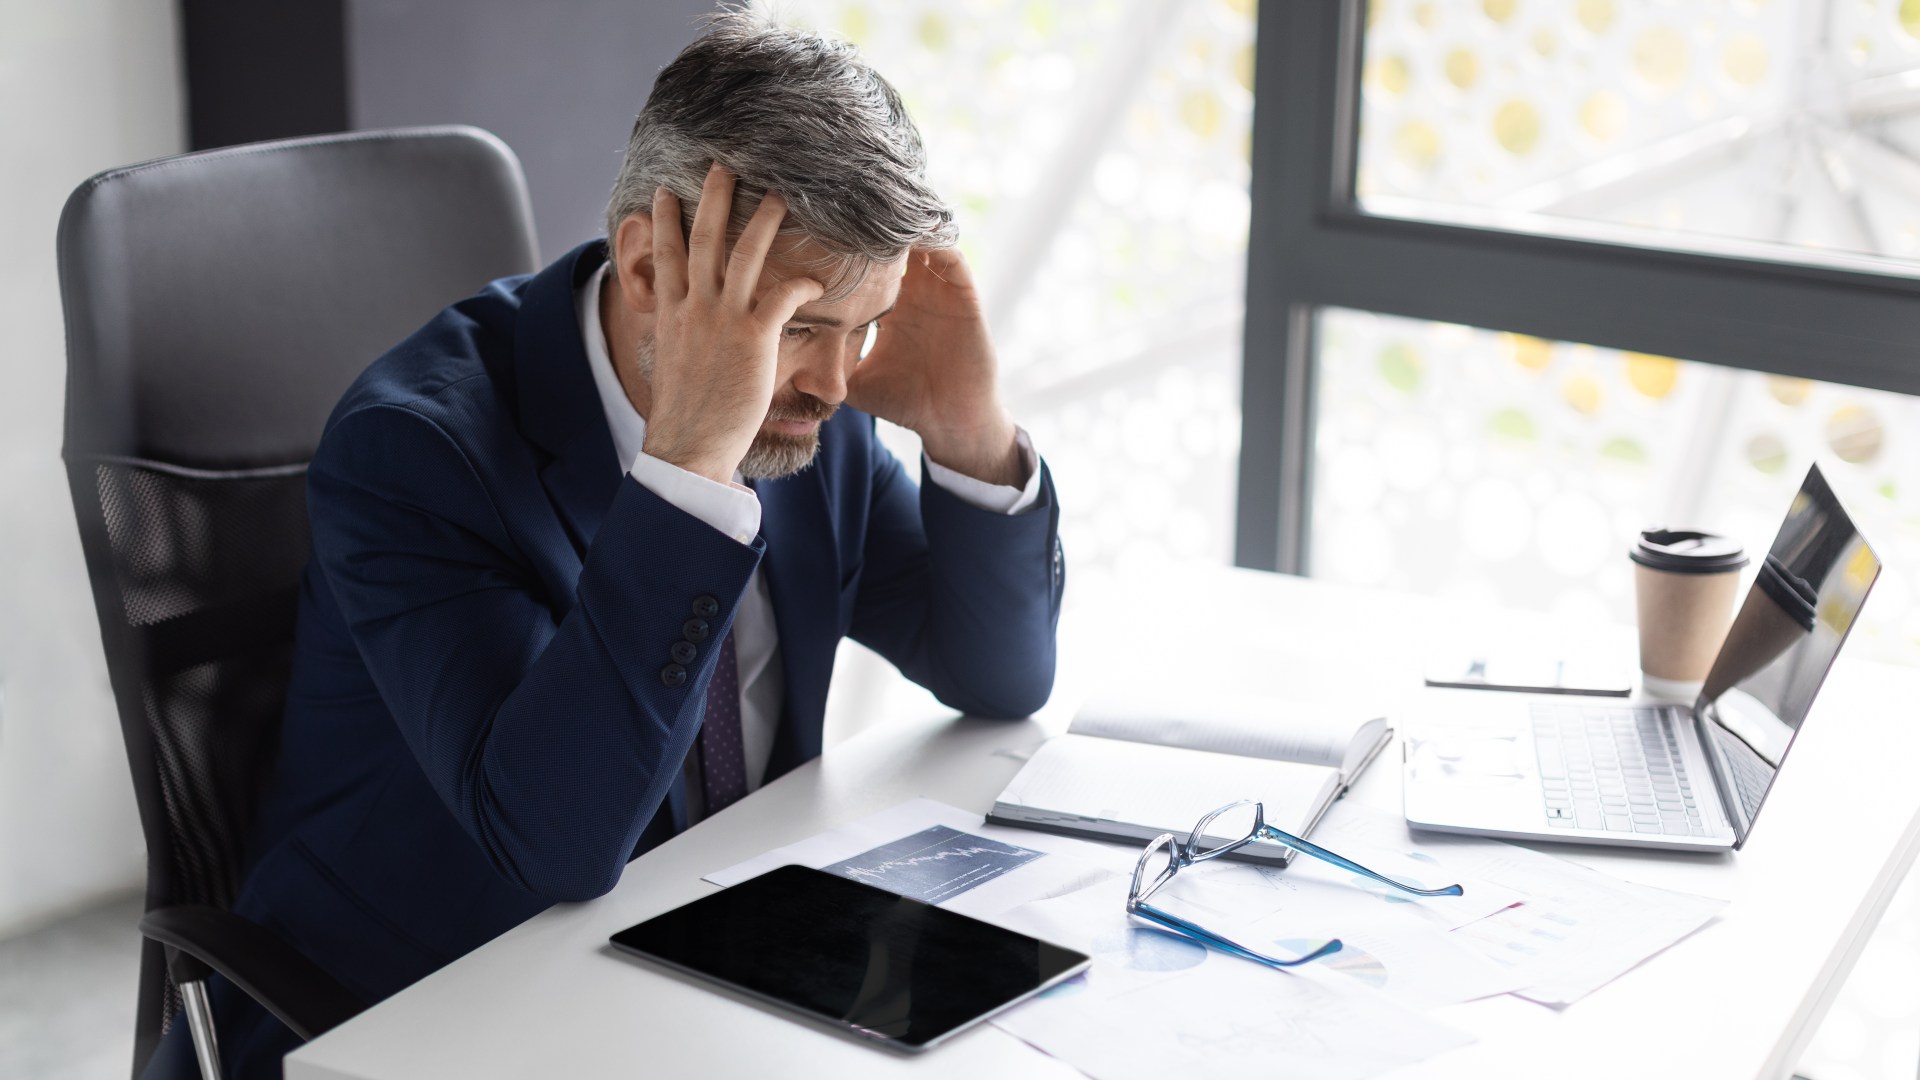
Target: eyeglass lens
1224	828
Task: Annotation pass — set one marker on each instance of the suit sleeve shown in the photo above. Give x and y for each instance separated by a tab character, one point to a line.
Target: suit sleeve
963	600
546	727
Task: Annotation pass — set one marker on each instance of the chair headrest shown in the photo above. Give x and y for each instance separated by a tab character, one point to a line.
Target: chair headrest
219	303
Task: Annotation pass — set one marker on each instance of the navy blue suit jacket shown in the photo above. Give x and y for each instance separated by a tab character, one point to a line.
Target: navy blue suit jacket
478	725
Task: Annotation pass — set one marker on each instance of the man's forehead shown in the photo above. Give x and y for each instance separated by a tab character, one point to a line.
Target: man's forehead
868	300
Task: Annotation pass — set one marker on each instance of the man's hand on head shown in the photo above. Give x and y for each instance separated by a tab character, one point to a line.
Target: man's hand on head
716	347
932	370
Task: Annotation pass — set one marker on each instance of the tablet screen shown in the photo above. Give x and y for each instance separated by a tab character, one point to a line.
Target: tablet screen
884	966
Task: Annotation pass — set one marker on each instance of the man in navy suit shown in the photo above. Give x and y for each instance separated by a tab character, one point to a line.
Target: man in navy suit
586	543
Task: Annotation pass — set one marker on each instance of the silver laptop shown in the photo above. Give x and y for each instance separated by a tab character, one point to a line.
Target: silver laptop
1598	770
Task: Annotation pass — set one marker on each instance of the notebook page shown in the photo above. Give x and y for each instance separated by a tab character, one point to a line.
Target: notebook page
1163	788
1314	734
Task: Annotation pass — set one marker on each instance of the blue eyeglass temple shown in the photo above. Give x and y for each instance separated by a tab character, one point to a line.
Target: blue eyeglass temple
1268	832
1264	831
1144	910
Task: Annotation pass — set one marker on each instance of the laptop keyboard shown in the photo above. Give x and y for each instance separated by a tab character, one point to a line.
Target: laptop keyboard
1613	769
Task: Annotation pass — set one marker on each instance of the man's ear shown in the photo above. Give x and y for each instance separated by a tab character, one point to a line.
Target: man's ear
632	257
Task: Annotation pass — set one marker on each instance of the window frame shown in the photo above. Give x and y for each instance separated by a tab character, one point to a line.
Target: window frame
1310	246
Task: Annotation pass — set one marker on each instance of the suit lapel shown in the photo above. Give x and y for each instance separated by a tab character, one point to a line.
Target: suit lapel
559	406
803	578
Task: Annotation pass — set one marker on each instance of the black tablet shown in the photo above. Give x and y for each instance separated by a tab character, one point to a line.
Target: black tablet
885	967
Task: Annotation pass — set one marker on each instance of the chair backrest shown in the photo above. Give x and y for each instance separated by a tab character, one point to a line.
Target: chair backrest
217	305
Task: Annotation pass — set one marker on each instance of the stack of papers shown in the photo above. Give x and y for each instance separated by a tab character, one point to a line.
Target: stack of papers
1156	1004
1575	929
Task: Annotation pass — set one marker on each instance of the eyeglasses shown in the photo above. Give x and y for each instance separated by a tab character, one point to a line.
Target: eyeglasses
1246	819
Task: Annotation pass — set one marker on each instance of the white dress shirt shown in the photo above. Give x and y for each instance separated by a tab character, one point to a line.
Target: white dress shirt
734	509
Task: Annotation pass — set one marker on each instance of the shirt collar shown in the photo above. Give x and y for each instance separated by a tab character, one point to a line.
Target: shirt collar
628	427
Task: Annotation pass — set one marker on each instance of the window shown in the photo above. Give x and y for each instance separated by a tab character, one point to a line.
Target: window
1792	123
1454	386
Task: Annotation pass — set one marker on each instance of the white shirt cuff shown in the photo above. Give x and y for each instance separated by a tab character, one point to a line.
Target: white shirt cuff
731	508
998	498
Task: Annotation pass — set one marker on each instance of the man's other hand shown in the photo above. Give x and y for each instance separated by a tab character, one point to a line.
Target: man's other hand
716	346
932	370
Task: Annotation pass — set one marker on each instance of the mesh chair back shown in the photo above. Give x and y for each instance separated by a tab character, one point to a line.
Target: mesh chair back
217	305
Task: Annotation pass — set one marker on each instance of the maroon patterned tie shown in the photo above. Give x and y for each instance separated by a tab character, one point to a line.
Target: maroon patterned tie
723	763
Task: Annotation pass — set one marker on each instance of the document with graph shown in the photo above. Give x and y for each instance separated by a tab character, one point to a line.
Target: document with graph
1130	769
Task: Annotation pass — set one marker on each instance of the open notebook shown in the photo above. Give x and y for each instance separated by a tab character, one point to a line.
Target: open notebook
1132	769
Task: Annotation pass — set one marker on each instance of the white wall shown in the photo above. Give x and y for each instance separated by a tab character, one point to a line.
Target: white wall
85	85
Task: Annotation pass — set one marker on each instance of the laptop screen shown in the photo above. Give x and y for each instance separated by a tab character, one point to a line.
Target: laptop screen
1802	604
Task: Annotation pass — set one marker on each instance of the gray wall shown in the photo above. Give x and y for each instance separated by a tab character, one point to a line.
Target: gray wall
559	80
85	85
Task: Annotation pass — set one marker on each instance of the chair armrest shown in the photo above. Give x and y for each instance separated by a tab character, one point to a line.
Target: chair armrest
273	973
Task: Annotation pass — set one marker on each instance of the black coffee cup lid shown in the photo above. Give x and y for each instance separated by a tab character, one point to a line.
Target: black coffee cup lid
1685	551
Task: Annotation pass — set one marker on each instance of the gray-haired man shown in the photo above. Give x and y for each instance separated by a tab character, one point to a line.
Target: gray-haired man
586	543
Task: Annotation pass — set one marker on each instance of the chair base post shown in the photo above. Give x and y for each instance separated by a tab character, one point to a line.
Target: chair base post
199	1010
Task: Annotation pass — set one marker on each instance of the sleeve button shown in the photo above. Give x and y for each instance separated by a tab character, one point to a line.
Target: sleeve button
673	675
706	607
695	630
683	652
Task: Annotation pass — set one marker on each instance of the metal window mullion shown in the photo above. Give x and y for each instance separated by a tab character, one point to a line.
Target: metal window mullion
1859	329
1296	139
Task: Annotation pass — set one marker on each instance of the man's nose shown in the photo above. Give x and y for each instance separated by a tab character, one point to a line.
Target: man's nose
822	373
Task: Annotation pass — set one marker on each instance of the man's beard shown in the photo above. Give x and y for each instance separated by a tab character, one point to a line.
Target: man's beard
772	455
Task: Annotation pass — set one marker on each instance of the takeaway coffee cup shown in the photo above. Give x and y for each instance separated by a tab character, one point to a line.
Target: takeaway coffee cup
1684	583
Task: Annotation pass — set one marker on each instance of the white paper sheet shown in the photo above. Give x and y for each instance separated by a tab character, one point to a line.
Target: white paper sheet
1244	1021
978	879
1577	929
1580	929
1415	964
1156	1005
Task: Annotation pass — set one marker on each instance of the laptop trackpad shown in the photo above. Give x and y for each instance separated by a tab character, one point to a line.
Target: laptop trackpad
1472	756
1471	775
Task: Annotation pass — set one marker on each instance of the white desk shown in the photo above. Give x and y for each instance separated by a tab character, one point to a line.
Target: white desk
1738	999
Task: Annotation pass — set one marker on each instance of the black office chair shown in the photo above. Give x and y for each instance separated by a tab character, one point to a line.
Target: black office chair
217	305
